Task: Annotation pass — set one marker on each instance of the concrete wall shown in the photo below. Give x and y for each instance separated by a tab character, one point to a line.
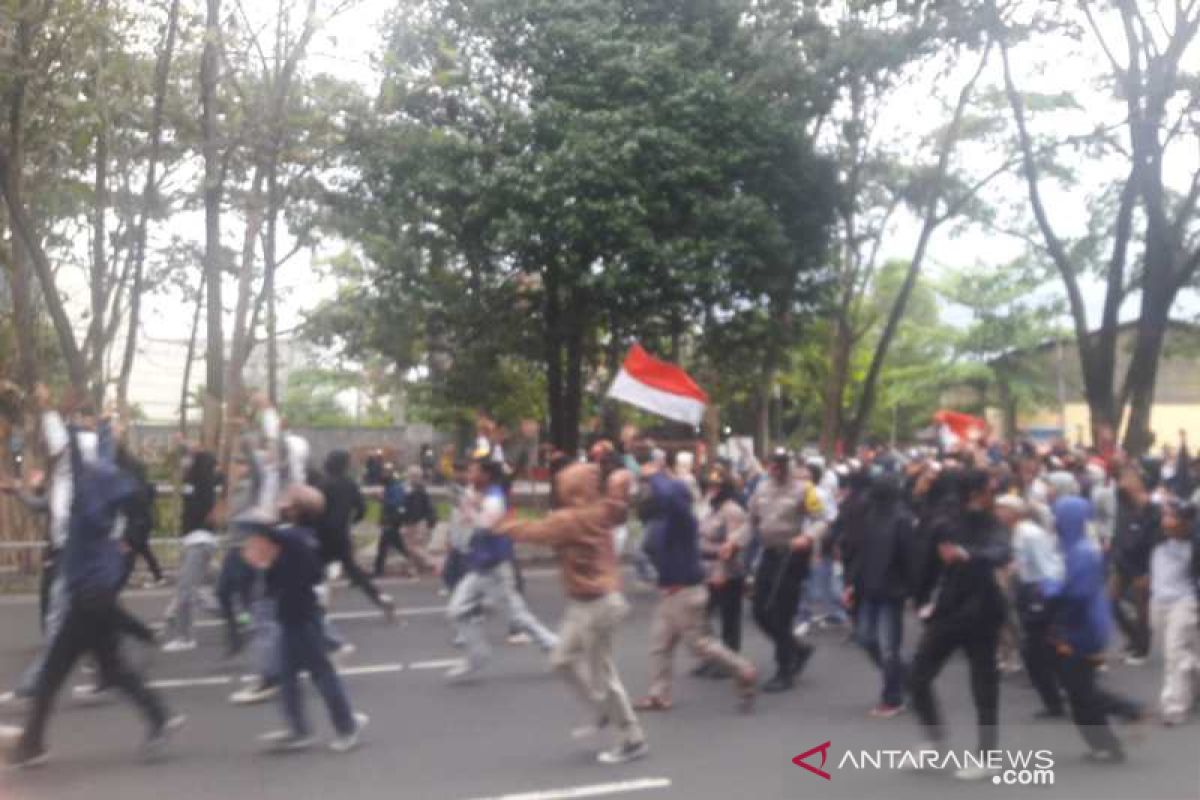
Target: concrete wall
154	440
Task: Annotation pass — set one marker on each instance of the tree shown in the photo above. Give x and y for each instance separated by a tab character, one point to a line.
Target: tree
1151	239
567	176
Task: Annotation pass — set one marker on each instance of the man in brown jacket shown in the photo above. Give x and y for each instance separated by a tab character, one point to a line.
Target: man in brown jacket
582	533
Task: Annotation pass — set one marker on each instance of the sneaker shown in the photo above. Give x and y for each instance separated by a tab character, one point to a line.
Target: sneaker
388	606
886	711
590	729
980	773
1135	660
158	739
179	646
802	630
284	741
259	692
27	757
520	637
344	651
346	743
91	695
624	753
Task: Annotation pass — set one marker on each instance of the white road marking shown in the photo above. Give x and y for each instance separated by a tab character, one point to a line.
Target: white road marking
376	669
594	790
226	680
444	663
345	616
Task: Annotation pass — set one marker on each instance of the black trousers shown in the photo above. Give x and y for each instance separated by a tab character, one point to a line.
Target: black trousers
726	601
342	552
92	625
1091	705
45	585
140	548
1135	588
777	587
389	537
1037	651
938	643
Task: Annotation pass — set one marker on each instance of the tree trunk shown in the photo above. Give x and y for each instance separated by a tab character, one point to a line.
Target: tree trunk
214	388
841	342
932	219
99	275
553	353
162	71
27	247
269	265
191	357
573	388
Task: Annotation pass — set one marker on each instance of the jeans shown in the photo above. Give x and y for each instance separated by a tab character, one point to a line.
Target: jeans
879	629
938	643
193	567
777	587
90	626
235	582
303	648
268	639
499	585
823	598
56	613
1091	705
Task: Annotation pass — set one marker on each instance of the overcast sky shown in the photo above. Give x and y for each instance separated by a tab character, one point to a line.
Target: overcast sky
348	46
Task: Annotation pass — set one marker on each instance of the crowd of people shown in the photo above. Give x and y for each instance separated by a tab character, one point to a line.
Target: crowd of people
1023	559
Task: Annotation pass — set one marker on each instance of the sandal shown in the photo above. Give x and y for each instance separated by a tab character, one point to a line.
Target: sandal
652	703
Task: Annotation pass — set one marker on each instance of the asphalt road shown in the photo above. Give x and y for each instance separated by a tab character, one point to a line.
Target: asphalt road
507	736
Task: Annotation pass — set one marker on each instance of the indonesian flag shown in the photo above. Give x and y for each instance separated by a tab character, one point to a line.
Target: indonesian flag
956	428
657	386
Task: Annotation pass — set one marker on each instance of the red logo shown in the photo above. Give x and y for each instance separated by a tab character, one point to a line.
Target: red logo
823	749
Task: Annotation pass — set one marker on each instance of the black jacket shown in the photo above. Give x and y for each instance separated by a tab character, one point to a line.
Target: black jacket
290	580
201	482
344	506
418	507
1136	533
880	566
966	593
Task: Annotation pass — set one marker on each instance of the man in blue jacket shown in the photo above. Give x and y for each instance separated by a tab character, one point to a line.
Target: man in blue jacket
673	544
93	567
1081	626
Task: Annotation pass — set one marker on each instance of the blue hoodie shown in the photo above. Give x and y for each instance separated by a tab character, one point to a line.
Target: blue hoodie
1080	613
673	534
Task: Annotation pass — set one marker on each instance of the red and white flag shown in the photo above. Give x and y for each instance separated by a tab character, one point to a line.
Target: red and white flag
657	386
956	428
